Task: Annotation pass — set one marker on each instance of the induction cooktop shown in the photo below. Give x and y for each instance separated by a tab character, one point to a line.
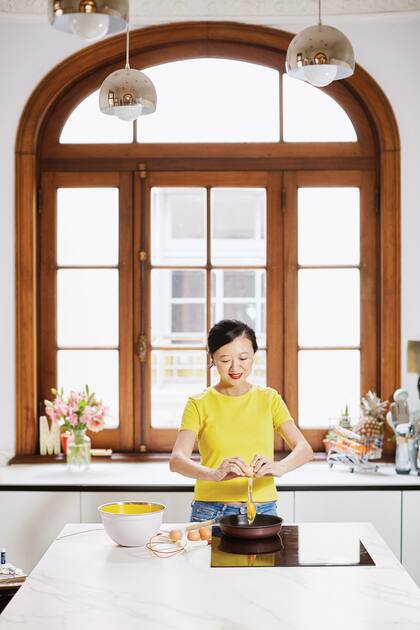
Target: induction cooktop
296	546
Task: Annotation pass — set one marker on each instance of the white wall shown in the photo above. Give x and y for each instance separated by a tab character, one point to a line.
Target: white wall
388	48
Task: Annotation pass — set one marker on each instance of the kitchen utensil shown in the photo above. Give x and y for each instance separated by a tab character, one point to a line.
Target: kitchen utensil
264	526
198	525
162	546
251	510
250	546
131	523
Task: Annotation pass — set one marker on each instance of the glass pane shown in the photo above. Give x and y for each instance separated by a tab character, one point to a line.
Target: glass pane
328	381
188	284
239	284
87	307
310	115
175	376
178	226
240	295
213	100
238	226
328	226
86	124
96	368
87	226
329	307
178	307
258	375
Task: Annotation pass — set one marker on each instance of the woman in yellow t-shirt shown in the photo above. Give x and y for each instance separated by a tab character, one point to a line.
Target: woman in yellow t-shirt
234	423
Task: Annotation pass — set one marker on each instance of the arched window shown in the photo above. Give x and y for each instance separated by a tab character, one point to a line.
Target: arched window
248	195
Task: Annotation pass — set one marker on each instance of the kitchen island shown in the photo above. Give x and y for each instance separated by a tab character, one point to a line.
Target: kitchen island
41	499
85	580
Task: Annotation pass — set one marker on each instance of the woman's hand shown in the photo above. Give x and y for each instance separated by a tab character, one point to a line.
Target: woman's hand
263	466
230	468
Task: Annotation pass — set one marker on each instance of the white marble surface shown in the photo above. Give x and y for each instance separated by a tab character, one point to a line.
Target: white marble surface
157	474
86	581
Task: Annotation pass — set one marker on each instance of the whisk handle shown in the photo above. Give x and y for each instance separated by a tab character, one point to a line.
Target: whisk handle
200	524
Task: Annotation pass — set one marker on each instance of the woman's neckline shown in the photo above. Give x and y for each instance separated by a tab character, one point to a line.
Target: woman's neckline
233	397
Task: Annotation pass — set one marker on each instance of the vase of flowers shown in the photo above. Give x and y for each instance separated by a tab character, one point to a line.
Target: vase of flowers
76	413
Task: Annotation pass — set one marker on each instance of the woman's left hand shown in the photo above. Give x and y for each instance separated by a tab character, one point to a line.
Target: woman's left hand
263	466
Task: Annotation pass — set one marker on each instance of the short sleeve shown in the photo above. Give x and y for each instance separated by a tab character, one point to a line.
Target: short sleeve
280	411
190	417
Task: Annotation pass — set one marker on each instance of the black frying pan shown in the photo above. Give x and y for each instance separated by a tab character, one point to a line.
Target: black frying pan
250	546
264	526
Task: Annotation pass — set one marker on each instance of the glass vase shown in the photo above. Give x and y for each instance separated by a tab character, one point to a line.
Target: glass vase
78	451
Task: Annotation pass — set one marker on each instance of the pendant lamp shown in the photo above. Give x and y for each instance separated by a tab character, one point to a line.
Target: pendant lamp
320	54
89	19
127	93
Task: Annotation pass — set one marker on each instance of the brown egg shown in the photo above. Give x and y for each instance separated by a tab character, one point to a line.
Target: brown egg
205	533
175	534
193	535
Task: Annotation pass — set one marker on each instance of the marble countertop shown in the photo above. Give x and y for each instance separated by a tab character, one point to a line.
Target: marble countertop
151	476
86	581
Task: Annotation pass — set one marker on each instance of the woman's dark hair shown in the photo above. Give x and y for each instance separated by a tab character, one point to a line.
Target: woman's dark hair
226	331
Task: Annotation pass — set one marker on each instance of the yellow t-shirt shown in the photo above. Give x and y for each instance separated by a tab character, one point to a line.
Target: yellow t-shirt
229	426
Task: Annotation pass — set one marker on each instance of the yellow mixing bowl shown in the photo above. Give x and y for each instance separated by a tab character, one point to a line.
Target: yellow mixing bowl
131	523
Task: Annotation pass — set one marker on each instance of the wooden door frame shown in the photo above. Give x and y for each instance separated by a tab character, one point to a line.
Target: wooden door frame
189	39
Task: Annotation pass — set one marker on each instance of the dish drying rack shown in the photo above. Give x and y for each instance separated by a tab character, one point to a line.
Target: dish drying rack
354	450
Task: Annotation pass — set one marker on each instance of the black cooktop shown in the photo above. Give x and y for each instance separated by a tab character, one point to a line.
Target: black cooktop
288	549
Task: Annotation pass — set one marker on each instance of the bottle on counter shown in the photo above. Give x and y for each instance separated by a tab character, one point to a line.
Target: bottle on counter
345	421
403	456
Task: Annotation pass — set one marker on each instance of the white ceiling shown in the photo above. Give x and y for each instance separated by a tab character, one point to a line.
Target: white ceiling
272	12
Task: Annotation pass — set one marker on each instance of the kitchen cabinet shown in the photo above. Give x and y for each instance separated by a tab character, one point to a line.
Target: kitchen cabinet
178	504
410	533
382	509
30	520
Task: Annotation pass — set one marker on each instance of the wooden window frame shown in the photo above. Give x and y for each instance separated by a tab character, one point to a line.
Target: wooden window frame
369	306
40	155
120	438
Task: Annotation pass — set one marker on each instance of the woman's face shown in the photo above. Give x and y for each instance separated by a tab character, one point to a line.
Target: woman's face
234	360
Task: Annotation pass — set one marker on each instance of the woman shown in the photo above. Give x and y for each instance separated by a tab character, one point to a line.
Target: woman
234	424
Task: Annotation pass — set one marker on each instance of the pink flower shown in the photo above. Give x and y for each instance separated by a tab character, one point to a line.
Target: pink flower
78	409
73	419
60	408
93	418
95	424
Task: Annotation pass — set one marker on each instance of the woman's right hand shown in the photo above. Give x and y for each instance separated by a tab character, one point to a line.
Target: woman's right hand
230	468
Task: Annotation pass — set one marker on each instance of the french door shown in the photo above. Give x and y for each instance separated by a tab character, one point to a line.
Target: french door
294	254
205	254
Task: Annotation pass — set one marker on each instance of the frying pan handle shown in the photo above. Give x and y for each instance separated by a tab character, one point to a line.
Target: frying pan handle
200	524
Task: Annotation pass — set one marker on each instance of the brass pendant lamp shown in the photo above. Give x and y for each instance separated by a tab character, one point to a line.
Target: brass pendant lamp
127	93
320	54
89	19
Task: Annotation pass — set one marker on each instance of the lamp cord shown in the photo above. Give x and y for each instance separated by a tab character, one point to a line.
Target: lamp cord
127	47
319	12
